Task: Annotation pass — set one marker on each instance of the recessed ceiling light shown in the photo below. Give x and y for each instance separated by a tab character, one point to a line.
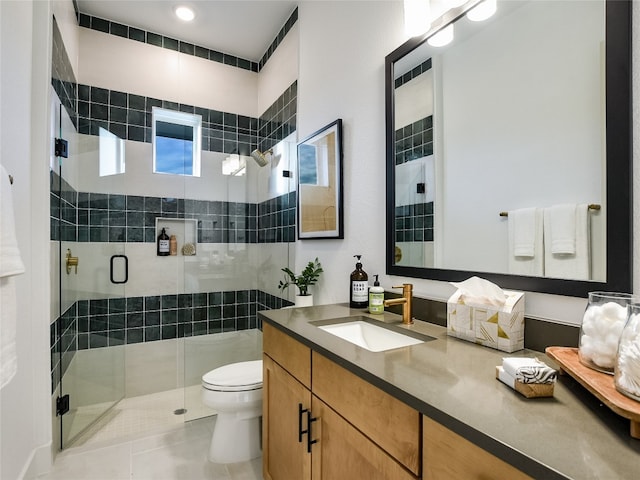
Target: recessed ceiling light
184	13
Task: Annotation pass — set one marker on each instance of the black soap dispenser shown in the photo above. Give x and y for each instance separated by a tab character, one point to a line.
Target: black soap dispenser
163	244
359	291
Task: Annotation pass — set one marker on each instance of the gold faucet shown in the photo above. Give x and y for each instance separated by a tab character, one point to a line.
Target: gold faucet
71	262
405	301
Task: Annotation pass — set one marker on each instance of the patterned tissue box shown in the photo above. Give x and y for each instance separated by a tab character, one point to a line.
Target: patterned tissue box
496	327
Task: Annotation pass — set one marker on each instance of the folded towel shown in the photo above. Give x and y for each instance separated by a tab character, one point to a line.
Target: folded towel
10	264
571	266
505	378
523	224
10	261
562	228
529	370
526	250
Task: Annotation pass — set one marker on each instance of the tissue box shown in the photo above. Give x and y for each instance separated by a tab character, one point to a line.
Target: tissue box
496	327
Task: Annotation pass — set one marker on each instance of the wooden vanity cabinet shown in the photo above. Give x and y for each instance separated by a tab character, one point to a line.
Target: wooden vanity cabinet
448	456
345	436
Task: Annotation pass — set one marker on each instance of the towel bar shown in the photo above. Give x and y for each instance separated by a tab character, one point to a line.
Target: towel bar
592	206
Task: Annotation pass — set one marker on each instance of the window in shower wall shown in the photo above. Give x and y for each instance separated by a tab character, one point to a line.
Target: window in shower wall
176	142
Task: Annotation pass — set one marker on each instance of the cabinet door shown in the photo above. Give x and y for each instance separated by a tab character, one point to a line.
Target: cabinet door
284	457
393	425
343	453
448	456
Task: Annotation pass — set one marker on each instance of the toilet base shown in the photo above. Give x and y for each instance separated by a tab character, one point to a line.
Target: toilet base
235	439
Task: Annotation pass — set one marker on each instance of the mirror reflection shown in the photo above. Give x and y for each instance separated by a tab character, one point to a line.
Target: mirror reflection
509	117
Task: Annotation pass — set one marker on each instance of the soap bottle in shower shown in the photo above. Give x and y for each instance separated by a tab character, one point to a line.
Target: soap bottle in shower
163	244
359	291
173	245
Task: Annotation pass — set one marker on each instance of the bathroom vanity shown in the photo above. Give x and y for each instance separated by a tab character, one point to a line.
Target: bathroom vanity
333	409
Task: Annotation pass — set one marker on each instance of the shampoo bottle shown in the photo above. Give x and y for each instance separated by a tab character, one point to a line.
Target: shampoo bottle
359	292
173	245
163	244
376	297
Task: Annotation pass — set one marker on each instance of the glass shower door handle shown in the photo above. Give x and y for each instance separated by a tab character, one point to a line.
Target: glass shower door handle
125	269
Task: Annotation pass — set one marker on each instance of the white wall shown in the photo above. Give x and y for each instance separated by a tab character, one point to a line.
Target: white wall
342	50
116	63
25	45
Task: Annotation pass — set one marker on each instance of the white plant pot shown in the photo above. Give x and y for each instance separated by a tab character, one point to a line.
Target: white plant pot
304	300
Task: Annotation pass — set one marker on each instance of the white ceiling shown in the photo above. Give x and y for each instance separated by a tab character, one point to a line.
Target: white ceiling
244	28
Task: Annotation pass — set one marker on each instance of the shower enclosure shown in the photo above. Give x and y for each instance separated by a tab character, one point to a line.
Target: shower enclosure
129	322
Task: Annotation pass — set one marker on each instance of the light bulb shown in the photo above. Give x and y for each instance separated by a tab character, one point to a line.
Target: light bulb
442	37
482	11
416	17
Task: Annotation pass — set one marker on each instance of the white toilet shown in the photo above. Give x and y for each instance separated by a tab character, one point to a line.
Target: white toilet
235	392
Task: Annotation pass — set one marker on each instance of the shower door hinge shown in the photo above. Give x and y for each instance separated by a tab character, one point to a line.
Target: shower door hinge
62	405
62	148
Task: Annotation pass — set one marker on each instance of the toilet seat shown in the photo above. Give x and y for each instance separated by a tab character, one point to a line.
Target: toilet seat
236	377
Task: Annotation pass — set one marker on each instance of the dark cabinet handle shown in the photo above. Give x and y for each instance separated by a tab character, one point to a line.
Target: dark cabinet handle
300	431
310	420
126	269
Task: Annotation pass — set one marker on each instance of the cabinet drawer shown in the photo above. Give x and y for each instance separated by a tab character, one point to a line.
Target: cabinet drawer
448	456
293	356
388	422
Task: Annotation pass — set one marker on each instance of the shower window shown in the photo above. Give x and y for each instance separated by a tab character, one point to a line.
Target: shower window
176	142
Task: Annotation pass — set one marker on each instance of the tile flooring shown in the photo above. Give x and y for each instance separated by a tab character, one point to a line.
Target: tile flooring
142	439
179	453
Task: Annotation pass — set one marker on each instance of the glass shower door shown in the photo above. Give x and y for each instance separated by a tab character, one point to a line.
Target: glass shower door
92	277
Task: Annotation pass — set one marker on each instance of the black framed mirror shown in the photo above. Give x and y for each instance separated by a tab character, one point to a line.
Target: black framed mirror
412	223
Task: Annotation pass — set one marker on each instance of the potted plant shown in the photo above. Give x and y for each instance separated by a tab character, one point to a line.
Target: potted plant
309	276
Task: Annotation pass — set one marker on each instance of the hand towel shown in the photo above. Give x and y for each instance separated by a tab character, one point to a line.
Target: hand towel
526	250
562	228
10	261
10	264
575	266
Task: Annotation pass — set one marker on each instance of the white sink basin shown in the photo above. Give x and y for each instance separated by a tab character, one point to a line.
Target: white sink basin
369	336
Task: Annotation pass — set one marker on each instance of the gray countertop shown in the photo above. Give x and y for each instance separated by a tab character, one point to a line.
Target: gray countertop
452	381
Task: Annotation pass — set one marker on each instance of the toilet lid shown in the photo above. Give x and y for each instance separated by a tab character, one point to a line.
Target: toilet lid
235	376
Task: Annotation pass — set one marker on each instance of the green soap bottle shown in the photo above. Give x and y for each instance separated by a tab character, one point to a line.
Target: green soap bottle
376	298
358	295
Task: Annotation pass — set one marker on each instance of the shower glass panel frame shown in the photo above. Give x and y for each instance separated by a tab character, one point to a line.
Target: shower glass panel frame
92	353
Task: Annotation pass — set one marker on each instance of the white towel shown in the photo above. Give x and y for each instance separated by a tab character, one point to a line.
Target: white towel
10	264
562	228
505	378
526	242
570	266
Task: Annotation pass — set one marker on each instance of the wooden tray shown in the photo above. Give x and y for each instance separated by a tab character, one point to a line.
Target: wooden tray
599	384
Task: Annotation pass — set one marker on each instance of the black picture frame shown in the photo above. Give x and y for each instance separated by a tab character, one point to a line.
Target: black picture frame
320	184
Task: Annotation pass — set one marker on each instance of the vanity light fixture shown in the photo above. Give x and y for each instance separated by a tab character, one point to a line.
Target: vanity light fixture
417	17
441	37
184	13
482	11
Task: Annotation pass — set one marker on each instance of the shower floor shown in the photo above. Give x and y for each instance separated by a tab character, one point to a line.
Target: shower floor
138	416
